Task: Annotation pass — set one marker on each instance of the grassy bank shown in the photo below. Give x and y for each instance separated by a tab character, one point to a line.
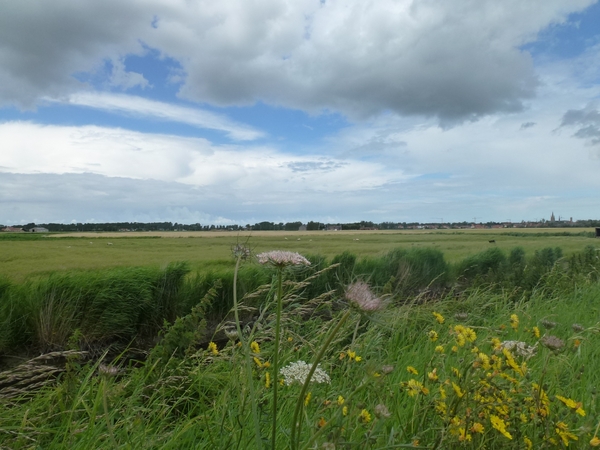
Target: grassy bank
416	374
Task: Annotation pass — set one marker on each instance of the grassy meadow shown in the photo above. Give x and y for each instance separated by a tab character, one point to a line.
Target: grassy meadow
433	340
23	256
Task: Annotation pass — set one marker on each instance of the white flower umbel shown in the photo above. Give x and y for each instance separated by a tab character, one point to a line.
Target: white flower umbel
281	258
297	372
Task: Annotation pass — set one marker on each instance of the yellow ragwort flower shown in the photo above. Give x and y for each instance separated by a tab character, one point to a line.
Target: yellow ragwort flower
595	442
255	347
412	370
514	322
433	336
340	400
439	349
212	347
307	399
459	392
575	406
536	332
477	428
499	425
267	380
562	429
365	416
528	443
439	317
345	410
257	362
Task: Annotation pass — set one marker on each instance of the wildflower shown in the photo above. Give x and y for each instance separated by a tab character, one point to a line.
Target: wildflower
358	359
365	416
576	343
267	380
345	411
240	251
548	324
477	428
459	392
290	339
297	372
439	349
520	348
461	316
460	340
255	347
512	363
360	295
321	423
412	370
212	347
454	348
386	370
433	336
595	442
497	343
499	425
109	371
382	412
528	443
440	319
307	399
432	375
575	406
340	400
266	364
258	362
577	328
514	322
484	360
463	435
553	343
536	332
280	259
562	429
351	354
413	387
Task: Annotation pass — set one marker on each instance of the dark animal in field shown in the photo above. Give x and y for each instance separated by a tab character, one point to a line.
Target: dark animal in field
492	241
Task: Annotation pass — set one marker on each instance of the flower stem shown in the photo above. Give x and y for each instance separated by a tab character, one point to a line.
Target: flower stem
296	424
276	357
247	358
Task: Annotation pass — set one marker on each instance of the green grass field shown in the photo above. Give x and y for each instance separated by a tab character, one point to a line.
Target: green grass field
21	257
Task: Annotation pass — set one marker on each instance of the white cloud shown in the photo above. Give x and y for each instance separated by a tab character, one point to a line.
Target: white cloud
453	60
142	107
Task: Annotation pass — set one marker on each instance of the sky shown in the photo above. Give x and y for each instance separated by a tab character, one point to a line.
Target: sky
241	111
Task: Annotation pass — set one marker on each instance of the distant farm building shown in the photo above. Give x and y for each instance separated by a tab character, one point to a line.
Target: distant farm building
334	228
12	229
39	230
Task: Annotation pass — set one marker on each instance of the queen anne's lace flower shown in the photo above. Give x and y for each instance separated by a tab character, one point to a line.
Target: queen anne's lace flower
297	372
280	258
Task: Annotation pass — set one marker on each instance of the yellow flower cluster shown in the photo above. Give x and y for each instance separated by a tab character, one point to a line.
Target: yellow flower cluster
489	391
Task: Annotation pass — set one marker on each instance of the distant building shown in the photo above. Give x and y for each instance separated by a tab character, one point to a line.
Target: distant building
552	219
39	230
302	228
334	228
12	229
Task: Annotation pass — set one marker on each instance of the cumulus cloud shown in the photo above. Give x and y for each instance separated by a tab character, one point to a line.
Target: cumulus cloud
455	60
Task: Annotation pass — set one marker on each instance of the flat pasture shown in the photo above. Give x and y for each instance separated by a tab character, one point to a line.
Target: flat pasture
22	258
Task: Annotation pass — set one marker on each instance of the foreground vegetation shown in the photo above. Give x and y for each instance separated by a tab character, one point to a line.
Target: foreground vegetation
431	368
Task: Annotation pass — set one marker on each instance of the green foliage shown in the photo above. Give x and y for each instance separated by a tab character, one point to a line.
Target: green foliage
182	337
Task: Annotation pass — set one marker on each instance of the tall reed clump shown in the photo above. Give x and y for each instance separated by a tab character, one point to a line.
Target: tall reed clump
102	308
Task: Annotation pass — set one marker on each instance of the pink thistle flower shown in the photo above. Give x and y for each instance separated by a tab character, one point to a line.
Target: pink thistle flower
360	295
280	259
